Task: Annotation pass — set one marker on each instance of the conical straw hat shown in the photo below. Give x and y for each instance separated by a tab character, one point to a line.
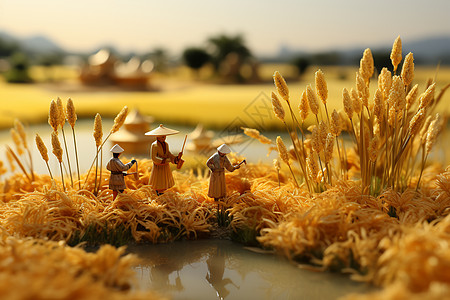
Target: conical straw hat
161	130
224	149
116	149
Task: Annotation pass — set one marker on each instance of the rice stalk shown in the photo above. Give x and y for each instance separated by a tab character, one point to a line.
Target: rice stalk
61	123
58	152
118	122
43	151
71	119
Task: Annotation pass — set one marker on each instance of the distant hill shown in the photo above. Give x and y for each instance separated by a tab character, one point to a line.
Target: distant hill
34	44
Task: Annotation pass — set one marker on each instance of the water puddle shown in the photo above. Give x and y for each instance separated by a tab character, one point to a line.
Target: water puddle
220	269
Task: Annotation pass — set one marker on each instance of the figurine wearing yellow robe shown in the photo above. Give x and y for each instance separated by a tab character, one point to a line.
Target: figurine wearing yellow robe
161	177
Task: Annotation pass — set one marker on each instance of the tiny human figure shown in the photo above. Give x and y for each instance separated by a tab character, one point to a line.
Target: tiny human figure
117	168
161	177
217	163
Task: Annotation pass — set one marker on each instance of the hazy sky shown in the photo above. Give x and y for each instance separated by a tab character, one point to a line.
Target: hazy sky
143	25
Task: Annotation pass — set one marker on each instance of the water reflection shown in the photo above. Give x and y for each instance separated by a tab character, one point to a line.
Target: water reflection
218	269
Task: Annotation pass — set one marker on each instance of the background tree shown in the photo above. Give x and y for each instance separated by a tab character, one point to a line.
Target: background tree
19	69
160	59
195	58
223	45
7	48
301	63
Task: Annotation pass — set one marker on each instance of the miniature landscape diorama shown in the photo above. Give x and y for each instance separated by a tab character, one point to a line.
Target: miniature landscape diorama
358	190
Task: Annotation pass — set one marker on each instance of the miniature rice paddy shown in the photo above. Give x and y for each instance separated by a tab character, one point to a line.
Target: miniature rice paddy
376	208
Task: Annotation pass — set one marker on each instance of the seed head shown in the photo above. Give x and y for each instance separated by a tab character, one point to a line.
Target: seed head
335	123
17	140
363	90
281	86
329	146
251	132
348	104
53	116
424	130
378	104
98	130
417	121
61	112
408	69
282	150
427	96
321	86
412	96
41	147
312	100
433	131
277	107
313	167
372	150
71	114
397	96
366	66
57	150
385	82
316	142
396	53
356	102
303	106
21	131
120	119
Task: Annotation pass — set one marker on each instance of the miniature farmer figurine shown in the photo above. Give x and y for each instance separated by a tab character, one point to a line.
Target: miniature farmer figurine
117	168
161	177
217	163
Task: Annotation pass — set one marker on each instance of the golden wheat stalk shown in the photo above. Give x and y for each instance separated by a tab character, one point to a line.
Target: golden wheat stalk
53	115
328	154
362	89
282	151
432	133
408	69
322	90
385	82
58	152
303	107
14	157
43	151
366	65
427	97
312	101
281	86
61	121
312	167
396	53
71	119
411	97
277	107
98	135
118	122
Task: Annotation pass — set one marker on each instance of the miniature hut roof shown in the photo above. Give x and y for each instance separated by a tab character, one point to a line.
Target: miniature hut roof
135	117
200	133
101	57
161	130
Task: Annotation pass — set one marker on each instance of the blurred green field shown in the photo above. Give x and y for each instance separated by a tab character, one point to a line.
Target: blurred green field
178	99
